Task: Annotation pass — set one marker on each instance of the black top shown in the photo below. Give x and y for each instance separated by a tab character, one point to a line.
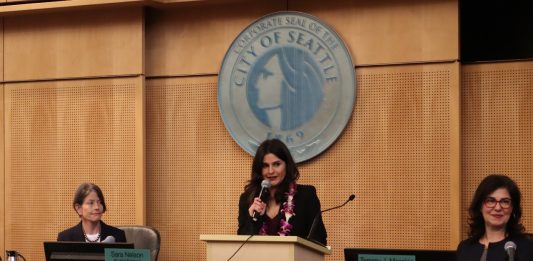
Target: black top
471	250
306	208
75	233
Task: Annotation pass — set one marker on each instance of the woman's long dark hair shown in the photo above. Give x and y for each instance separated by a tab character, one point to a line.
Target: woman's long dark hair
488	185
281	151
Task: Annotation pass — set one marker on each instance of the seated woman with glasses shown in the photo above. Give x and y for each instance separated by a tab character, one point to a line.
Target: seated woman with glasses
495	214
89	204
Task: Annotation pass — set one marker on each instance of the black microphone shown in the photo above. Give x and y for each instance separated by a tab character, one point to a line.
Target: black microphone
265	185
510	249
318	217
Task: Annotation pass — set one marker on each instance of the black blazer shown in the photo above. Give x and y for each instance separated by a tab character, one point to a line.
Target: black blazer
472	250
307	207
75	233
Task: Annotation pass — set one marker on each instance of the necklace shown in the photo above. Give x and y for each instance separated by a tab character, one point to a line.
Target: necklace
92	241
87	238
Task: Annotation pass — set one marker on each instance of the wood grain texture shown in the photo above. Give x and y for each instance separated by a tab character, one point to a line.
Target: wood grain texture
389	31
399	154
60	134
497	130
194	39
73	44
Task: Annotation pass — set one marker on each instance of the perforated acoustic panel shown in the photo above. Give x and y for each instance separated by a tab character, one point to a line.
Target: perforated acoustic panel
59	134
398	154
497	129
195	172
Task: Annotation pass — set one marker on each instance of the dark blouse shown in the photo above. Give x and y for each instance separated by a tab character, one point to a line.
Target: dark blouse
306	208
273	225
471	250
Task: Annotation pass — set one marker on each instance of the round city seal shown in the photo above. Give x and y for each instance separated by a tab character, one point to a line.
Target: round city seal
287	76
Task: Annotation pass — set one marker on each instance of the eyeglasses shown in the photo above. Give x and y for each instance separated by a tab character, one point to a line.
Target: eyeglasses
490	202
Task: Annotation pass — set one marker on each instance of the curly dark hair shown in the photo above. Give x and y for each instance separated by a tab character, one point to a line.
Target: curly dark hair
488	185
281	151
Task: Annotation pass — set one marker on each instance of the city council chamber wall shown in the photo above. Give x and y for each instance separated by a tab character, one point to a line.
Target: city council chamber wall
124	93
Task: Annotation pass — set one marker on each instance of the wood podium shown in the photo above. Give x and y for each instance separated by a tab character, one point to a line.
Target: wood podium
263	248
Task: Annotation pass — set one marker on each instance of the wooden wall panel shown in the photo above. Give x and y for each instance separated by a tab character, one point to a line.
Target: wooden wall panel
497	129
90	43
195	171
2	174
60	134
399	155
391	31
55	6
188	40
2	50
194	39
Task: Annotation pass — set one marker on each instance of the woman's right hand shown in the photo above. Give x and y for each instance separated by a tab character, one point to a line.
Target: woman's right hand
258	206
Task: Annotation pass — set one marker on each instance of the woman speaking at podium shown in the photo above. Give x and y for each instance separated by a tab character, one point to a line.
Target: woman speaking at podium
285	208
90	205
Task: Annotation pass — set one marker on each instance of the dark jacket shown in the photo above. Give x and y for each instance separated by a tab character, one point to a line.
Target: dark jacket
75	233
307	207
469	250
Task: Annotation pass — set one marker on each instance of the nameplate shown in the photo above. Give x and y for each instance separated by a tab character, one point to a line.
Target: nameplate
365	257
119	254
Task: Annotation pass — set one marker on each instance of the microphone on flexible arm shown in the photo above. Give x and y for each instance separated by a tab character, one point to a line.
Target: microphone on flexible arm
318	217
109	239
265	185
510	249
